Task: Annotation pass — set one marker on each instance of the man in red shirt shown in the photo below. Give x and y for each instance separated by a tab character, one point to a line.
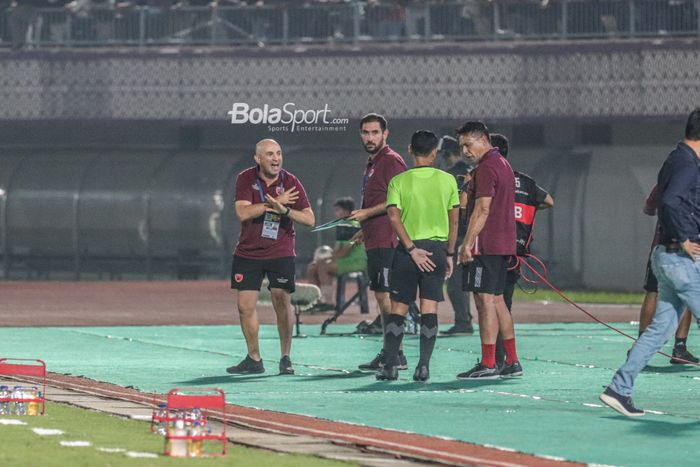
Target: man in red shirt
379	237
487	247
269	200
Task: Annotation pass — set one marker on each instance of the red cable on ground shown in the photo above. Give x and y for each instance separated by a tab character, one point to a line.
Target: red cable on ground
523	260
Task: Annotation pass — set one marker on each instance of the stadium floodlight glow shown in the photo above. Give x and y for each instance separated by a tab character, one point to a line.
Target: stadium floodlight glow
288	114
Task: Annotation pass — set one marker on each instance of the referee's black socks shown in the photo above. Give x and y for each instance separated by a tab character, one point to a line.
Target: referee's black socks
428	333
393	335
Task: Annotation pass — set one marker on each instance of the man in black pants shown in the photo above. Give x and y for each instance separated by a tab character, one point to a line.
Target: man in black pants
378	236
448	148
529	198
423	206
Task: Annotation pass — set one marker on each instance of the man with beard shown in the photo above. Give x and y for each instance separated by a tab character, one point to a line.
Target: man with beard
269	200
379	237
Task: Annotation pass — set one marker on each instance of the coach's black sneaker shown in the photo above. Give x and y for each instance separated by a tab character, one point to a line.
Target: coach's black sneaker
622	404
286	366
421	374
388	373
248	366
374	365
403	363
480	372
466	330
680	351
512	370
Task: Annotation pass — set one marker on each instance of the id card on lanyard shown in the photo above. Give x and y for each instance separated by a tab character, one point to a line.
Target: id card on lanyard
271	223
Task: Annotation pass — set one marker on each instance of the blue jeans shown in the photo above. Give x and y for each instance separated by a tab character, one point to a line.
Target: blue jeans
679	288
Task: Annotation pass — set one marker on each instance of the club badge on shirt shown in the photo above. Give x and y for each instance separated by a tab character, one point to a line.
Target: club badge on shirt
271	226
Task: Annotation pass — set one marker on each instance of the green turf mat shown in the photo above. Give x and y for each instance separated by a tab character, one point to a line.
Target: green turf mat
112	440
553	410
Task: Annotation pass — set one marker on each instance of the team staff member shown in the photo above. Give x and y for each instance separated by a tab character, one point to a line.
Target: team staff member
675	262
423	206
459	169
379	237
529	198
487	248
269	200
651	287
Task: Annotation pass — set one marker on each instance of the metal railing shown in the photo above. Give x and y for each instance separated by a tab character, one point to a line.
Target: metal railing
350	22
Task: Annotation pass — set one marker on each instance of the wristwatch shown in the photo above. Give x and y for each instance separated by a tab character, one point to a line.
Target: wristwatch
287	211
410	248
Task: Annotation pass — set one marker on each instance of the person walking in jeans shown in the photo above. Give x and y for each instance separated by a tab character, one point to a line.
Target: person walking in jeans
675	262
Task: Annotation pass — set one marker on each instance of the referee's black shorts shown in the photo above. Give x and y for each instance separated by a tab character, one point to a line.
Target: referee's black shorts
486	274
406	278
247	274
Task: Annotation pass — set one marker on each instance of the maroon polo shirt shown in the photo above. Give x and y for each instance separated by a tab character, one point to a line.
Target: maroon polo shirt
493	178
251	244
381	168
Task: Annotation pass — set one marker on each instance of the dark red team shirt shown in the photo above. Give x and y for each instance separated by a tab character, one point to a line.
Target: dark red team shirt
250	242
380	170
494	178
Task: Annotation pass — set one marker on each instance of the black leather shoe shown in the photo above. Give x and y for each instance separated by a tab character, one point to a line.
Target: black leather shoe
247	366
421	374
388	373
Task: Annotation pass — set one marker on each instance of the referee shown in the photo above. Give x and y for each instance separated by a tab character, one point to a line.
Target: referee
423	207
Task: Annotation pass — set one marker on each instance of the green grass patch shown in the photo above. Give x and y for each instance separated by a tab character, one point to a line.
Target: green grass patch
21	447
582	296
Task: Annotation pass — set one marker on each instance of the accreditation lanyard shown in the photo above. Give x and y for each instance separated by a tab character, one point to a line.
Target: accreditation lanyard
368	172
271	223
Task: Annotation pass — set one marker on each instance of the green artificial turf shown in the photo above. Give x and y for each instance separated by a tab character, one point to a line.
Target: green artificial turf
552	410
579	296
21	447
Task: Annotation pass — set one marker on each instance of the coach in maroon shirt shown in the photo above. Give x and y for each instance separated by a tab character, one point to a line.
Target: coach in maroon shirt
269	200
379	237
488	245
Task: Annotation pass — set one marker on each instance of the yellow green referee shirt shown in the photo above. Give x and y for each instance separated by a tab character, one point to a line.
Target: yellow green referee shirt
424	195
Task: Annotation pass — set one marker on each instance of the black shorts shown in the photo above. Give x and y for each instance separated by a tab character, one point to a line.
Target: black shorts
406	278
650	282
486	274
378	266
247	274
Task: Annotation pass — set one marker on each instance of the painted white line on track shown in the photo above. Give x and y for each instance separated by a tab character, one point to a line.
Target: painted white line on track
149	455
75	444
11	421
47	431
111	449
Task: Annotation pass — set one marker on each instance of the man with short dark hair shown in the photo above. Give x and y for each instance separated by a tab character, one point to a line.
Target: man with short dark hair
347	255
449	150
379	237
674	262
423	206
487	248
529	198
269	200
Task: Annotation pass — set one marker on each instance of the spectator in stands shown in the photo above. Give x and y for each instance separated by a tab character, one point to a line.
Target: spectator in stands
25	22
348	255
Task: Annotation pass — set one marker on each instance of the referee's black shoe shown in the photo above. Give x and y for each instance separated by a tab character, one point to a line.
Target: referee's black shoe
247	366
388	373
422	373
